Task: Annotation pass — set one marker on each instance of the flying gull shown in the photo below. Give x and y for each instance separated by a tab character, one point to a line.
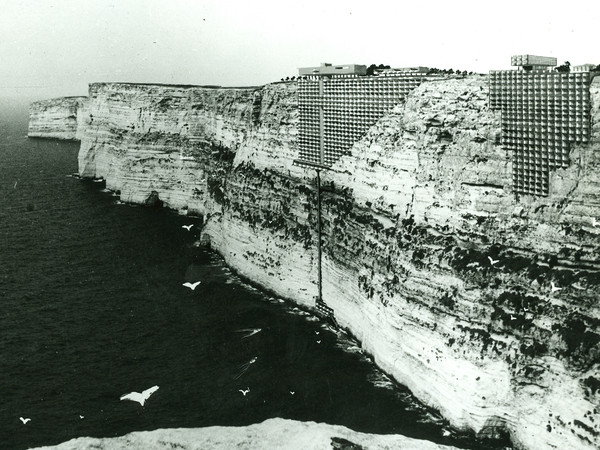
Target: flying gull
140	397
493	261
244	391
187	227
250	332
246	366
554	287
24	420
192	286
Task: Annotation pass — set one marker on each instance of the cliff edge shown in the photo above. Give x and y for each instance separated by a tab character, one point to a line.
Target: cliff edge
429	258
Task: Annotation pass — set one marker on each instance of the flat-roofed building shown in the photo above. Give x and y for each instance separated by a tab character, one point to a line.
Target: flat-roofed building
583	68
533	62
330	69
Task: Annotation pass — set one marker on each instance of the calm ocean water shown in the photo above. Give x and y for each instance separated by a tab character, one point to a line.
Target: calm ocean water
92	306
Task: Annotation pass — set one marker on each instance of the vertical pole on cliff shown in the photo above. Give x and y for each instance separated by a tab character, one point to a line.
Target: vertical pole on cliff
322	308
320	276
321	161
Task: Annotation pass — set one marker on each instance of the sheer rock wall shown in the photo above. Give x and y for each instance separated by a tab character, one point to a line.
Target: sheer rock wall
411	217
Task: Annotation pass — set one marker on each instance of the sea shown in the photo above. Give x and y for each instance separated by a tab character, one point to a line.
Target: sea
92	306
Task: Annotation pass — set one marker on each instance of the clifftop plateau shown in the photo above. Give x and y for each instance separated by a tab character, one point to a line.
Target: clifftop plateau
414	217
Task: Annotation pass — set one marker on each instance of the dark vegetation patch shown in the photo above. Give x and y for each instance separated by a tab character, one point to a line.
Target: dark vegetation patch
591	385
531	349
215	189
586	427
339	443
221	154
582	344
448	300
478	334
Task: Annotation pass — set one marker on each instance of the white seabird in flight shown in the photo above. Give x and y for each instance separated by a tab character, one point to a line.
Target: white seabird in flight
187	227
250	332
493	261
192	286
24	420
140	397
245	367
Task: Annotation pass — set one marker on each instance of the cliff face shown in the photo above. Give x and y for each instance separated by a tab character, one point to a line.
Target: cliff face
58	118
410	218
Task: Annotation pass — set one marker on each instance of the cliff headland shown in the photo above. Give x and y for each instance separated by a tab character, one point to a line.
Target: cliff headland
58	118
414	217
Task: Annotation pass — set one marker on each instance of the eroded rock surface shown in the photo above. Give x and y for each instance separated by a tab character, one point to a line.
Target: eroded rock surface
270	434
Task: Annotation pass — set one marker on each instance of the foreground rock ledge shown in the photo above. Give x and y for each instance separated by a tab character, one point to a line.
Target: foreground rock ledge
270	434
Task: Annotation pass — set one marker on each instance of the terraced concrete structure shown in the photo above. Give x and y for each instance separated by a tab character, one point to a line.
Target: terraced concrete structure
543	114
351	105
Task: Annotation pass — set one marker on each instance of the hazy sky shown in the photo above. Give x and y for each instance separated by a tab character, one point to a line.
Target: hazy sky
52	48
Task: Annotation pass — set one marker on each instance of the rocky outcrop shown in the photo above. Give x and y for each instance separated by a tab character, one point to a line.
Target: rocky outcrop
58	118
429	259
270	434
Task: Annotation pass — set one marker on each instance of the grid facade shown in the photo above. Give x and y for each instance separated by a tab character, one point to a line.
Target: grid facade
543	113
350	106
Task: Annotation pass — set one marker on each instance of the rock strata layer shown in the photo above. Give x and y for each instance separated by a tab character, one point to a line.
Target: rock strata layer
428	257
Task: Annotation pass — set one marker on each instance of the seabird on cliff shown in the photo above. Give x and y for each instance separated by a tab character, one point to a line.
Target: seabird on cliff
140	397
554	287
594	223
24	420
493	261
187	227
192	286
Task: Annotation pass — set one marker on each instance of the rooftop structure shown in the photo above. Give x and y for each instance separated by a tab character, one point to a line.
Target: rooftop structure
402	71
532	62
583	68
329	69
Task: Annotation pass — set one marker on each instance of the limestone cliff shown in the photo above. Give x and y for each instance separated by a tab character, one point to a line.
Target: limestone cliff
410	218
57	118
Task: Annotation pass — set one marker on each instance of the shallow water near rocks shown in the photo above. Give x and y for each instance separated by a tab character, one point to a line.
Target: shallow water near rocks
92	307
